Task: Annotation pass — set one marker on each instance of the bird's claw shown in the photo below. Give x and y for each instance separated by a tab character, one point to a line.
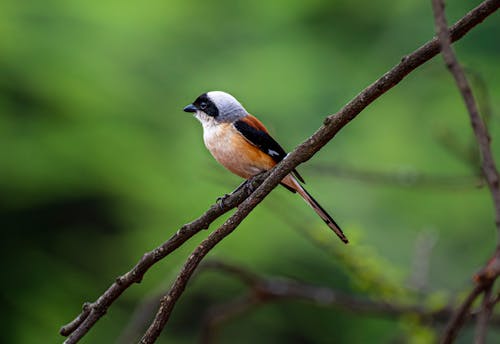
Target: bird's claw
220	200
248	186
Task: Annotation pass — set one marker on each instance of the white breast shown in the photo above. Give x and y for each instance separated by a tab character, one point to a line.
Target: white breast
211	130
218	139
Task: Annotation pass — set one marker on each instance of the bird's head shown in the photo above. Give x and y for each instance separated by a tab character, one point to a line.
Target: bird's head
216	106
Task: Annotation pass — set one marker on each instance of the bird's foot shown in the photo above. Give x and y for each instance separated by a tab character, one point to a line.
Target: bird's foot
220	200
248	185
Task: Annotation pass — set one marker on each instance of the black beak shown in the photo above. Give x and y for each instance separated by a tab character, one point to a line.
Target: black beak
190	108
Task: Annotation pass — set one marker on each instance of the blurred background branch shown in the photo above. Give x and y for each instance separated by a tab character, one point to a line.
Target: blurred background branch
264	290
400	178
490	272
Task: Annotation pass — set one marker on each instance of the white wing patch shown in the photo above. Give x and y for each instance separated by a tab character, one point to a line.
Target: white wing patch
272	152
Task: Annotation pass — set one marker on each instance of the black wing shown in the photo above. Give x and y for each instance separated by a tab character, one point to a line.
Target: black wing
264	142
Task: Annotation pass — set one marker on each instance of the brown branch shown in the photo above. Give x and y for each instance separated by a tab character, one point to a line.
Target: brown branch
168	301
468	153
73	325
265	290
94	311
331	125
483	138
495	300
490	272
460	315
484	316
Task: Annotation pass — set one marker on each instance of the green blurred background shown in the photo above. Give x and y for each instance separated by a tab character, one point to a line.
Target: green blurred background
98	163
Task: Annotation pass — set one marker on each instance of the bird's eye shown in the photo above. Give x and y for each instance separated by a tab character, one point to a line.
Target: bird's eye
203	105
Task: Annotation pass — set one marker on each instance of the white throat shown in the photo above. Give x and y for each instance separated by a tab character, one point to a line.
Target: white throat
206	121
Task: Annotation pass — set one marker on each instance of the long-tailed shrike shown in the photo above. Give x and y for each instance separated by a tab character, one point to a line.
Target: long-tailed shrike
242	144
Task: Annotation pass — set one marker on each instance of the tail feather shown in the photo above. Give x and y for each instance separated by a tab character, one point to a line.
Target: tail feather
320	211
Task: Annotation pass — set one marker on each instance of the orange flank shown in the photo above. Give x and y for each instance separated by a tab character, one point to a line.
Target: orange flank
248	159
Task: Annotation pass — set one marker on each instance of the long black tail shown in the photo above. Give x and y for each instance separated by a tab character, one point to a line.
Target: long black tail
320	211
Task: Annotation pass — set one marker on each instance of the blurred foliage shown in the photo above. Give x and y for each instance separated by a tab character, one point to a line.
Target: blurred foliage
99	164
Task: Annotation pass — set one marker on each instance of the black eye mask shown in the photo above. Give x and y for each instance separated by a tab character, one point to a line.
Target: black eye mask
206	105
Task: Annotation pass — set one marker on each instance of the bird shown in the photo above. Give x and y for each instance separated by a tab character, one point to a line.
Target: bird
243	145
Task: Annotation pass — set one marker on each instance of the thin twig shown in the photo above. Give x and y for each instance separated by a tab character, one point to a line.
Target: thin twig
491	271
72	326
331	125
460	315
484	316
495	300
480	130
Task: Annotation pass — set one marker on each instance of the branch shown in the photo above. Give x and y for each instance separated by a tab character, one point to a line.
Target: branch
480	131
468	153
490	272
94	311
484	316
265	290
168	301
460	315
484	281
331	125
